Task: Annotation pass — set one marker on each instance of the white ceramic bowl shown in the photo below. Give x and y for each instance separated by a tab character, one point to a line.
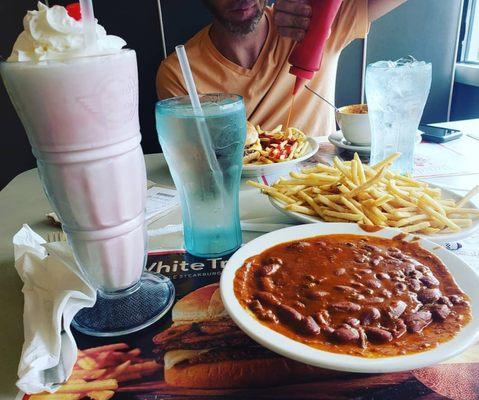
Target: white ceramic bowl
465	277
355	127
250	170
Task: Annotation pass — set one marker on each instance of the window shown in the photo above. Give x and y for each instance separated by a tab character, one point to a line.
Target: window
470	50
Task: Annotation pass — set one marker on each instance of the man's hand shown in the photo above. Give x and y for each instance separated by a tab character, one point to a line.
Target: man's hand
292	18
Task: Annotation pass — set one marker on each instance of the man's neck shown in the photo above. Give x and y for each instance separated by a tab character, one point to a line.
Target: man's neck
243	50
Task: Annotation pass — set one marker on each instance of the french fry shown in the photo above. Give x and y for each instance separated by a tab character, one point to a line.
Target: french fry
321	168
429	231
101	395
87	363
362	175
409	220
449	203
454	210
433	203
462	222
383	200
142	368
417	227
332	219
93	386
272	191
354	173
409	181
118	370
300	209
467	197
311	202
341	167
439	217
293	150
388	160
379	214
55	396
327	202
343	215
368	183
375	220
355	210
88	374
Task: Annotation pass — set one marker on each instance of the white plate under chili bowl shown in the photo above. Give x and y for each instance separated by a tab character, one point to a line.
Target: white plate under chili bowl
464	275
252	170
439	238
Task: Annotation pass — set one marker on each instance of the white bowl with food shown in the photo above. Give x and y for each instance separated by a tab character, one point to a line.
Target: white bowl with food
353	192
276	151
354	123
339	297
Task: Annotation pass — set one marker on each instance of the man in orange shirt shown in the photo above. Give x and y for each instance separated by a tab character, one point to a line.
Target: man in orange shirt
245	51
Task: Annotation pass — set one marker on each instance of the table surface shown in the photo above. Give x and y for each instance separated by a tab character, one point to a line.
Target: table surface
452	165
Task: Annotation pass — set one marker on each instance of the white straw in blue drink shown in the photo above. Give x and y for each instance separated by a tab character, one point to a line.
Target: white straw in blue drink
201	122
188	76
88	20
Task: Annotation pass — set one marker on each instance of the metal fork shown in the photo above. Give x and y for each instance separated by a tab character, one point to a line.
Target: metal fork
57	236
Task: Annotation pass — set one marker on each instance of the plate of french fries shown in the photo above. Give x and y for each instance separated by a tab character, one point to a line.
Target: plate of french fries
350	191
269	152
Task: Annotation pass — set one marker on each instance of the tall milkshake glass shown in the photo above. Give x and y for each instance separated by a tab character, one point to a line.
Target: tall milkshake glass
81	118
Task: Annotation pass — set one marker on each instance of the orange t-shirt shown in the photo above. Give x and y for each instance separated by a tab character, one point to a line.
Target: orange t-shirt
267	86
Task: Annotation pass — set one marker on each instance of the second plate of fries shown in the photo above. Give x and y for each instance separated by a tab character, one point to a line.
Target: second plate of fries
374	195
275	151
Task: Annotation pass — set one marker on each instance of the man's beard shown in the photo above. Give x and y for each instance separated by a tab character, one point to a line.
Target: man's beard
237	27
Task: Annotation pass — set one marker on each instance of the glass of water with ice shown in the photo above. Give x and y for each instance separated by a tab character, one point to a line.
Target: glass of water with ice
396	93
210	203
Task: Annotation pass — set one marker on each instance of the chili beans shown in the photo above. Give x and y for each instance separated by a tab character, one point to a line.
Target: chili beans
345	306
378	297
378	335
440	312
345	335
369	315
268	269
416	322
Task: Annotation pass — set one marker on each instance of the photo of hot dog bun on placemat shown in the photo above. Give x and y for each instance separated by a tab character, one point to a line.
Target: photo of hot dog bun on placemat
205	349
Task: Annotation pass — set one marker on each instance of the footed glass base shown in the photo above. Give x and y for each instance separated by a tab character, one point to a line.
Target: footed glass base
132	311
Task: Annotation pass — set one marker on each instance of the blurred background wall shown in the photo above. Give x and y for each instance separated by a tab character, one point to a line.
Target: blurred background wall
427	29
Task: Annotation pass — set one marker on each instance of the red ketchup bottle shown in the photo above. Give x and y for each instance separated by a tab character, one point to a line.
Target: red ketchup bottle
305	59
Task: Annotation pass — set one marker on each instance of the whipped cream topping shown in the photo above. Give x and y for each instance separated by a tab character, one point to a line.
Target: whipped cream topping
51	34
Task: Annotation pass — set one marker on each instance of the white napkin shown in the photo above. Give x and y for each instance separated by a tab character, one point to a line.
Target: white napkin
54	291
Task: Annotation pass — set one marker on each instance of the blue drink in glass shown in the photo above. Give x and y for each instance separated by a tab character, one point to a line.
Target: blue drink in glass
210	205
